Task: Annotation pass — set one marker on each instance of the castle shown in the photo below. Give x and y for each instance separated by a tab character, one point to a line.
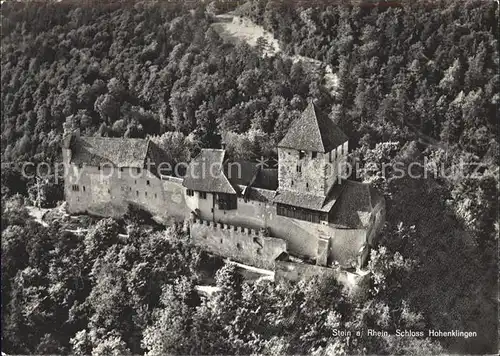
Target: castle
301	214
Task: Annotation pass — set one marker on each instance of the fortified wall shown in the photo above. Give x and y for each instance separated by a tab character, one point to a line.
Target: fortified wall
355	283
245	245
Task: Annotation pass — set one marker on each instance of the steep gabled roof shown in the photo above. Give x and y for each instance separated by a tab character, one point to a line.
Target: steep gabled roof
119	152
205	173
313	131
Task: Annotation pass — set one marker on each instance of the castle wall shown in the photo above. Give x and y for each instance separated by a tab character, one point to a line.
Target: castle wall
354	284
310	179
302	236
345	245
241	244
317	175
108	192
176	204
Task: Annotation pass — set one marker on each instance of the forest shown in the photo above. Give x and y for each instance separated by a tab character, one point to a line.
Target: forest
418	82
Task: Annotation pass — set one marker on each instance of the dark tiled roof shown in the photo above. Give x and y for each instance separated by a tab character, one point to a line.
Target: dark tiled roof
313	131
263	195
119	152
309	201
240	172
267	178
355	205
205	173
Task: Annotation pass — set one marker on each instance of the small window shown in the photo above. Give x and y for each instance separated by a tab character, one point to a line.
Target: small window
314	155
301	154
145	194
307	185
203	195
138	170
137	193
156	195
299	168
135	181
99	168
238	246
75	188
83	188
291	183
221	240
121	169
147	182
190	192
109	191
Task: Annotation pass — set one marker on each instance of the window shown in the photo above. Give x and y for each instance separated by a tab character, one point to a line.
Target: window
238	246
83	188
307	185
109	191
138	170
302	154
75	188
147	182
203	195
190	192
137	193
99	168
314	155
301	214
135	181
121	169
291	183
145	194
156	195
299	168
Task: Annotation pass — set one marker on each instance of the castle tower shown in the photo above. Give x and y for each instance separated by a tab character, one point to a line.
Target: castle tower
311	154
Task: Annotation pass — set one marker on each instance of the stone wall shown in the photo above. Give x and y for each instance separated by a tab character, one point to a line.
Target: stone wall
108	192
240	244
355	283
317	175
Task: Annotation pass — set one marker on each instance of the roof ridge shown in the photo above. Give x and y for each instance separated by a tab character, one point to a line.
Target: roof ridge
313	108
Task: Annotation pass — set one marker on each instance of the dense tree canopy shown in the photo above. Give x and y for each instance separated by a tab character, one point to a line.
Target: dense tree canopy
418	83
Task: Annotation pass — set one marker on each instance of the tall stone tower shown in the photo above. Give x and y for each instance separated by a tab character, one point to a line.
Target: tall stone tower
312	154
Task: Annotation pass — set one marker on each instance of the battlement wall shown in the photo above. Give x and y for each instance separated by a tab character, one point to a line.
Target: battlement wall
354	283
241	244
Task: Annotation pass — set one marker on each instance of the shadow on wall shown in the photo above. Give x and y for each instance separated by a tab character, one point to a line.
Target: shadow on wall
241	244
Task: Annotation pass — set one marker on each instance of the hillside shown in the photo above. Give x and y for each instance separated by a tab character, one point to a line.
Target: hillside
415	86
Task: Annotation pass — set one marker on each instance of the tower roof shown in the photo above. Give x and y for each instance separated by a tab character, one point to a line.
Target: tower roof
313	131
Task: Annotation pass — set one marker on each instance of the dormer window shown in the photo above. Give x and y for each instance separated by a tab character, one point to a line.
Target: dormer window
302	154
314	155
